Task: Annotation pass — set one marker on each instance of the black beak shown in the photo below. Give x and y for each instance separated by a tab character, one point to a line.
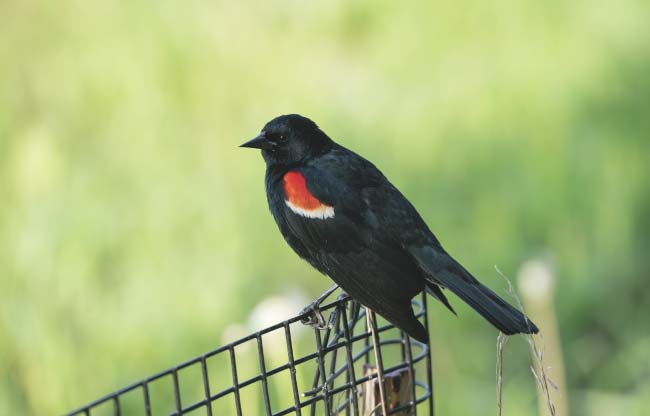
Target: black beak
259	142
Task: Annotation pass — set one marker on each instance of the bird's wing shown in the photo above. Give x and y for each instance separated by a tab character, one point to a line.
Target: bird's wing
359	189
402	222
351	241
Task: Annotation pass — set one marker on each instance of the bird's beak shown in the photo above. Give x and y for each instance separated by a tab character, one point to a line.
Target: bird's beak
259	142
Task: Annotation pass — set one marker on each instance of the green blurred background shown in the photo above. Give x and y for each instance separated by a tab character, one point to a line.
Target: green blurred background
134	233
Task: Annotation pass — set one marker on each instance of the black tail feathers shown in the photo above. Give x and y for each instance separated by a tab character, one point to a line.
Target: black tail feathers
494	309
441	269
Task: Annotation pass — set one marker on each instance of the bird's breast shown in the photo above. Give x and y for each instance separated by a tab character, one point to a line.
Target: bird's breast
300	201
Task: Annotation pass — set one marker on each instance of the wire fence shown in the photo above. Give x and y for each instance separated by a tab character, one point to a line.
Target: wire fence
279	371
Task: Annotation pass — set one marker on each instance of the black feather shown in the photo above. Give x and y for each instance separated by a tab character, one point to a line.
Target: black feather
434	290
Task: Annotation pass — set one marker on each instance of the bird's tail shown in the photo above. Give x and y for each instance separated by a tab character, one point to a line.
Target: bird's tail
493	308
441	269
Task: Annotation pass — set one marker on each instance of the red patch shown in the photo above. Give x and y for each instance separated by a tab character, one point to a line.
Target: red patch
296	192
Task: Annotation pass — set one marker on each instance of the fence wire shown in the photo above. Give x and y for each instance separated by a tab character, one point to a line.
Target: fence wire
290	374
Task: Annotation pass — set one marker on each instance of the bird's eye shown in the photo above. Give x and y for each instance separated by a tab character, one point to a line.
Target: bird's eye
282	138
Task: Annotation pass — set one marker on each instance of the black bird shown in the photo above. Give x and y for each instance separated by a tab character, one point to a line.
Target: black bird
339	212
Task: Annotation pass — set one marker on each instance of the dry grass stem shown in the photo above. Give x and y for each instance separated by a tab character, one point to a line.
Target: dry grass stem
542	380
501	342
370	315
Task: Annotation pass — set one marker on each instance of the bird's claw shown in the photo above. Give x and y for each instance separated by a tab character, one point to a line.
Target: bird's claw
313	317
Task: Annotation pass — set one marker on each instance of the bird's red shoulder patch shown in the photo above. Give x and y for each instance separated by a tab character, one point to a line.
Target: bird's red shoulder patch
300	200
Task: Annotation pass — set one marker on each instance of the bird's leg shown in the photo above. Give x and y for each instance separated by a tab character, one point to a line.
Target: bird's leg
311	314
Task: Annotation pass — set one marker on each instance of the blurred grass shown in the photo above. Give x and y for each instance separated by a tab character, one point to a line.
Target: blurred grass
133	231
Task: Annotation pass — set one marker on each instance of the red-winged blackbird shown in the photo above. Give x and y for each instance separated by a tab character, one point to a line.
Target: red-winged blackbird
340	213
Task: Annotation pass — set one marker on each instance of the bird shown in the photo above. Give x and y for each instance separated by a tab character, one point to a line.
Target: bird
338	212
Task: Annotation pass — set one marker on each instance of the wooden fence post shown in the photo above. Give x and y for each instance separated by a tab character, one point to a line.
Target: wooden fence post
397	390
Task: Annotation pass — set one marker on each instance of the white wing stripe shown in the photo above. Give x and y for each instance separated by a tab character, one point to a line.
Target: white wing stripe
322	212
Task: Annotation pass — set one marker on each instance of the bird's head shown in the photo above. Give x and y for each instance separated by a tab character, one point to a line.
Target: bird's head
290	140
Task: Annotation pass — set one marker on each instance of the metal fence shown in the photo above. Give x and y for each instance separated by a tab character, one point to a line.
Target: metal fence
335	374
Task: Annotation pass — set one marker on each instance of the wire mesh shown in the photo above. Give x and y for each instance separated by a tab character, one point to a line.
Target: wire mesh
278	371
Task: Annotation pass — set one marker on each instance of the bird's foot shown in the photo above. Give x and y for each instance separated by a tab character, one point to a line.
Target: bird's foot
311	315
